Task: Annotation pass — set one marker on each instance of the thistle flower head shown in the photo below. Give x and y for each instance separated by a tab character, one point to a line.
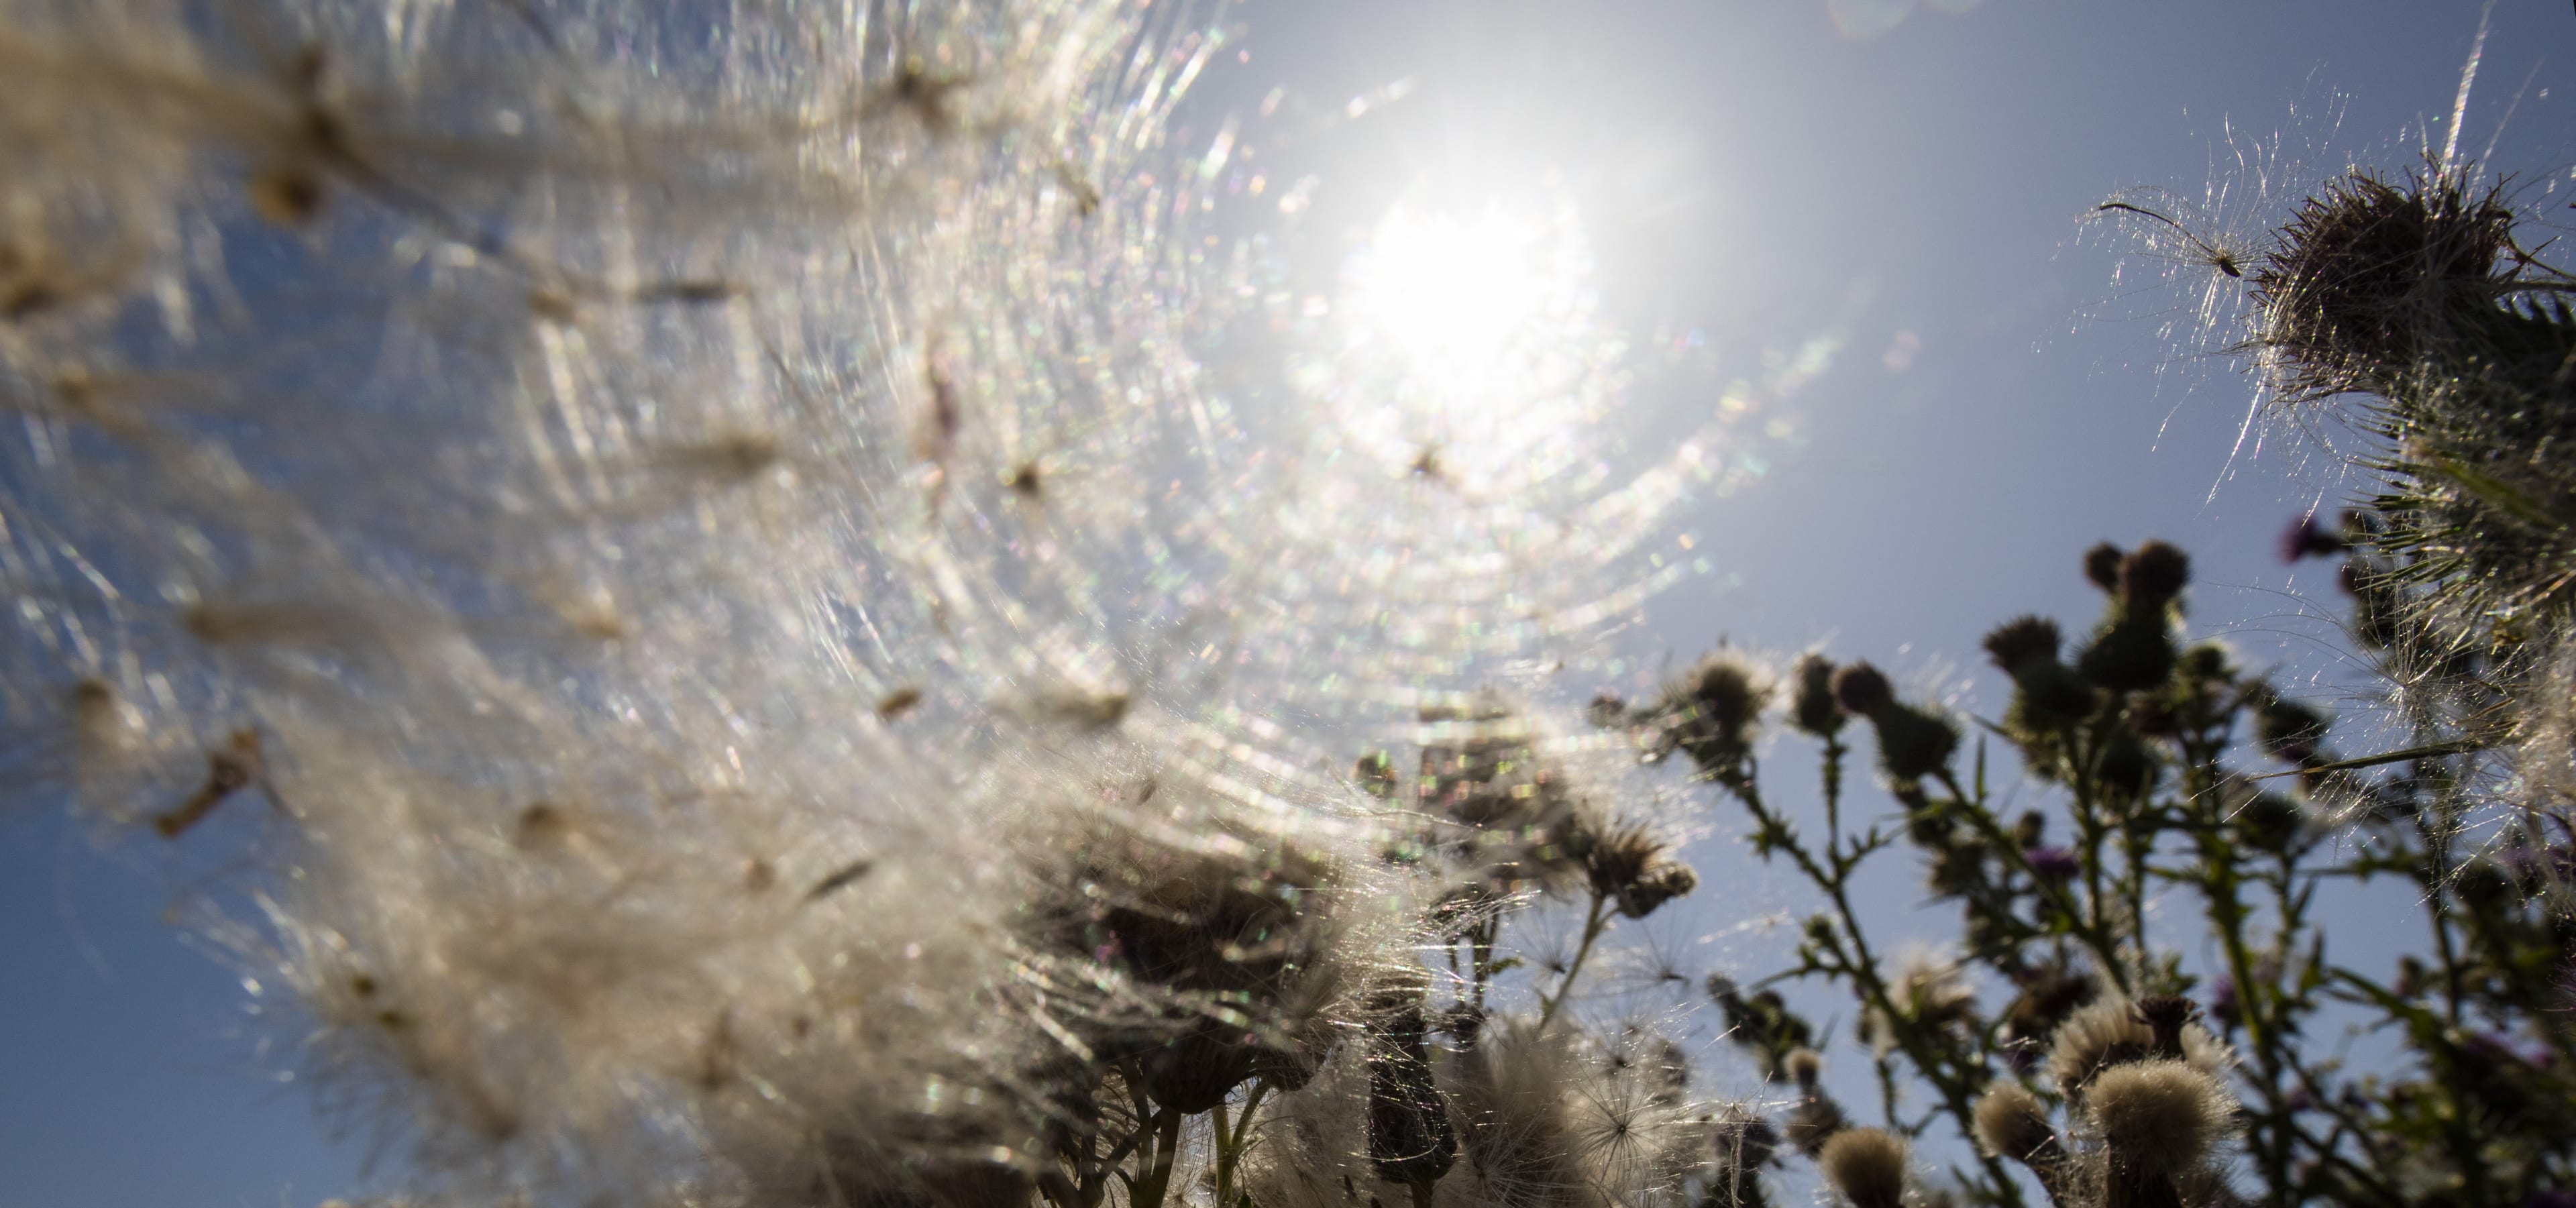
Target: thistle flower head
2102	566
1804	1067
1867	1165
1814	709
2158	1118
1634	868
1710	712
2110	1032
2021	641
1862	690
2051	863
2153	574
2011	1123
2362	275
2307	537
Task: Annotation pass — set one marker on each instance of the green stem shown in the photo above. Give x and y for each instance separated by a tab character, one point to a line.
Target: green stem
1596	921
1957	1088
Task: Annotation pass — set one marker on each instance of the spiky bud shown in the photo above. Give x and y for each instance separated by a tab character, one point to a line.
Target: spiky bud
2153	574
2022	640
2269	822
2132	651
1862	689
1661	883
2102	566
1815	709
1912	743
1629	865
1710	713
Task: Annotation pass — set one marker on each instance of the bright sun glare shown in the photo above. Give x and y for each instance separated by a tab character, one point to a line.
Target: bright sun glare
1467	344
1449	293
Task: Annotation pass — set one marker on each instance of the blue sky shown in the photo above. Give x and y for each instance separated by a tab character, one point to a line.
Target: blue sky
1751	170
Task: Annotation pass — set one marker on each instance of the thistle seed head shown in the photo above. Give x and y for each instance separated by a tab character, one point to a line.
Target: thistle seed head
1867	1165
2363	276
2012	1123
2158	1118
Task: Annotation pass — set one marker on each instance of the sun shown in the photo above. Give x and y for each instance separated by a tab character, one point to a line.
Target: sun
1451	294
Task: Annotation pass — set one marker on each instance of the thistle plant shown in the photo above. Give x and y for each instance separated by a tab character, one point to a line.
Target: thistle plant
694	576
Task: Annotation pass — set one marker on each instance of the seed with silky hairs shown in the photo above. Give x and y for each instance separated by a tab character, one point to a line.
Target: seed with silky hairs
1867	1165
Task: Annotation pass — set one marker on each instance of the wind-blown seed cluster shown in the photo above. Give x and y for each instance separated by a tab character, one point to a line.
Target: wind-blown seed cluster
711	569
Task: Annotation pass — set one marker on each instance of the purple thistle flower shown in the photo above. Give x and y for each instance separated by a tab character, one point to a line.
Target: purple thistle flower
2550	1199
2222	999
2050	863
2305	538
